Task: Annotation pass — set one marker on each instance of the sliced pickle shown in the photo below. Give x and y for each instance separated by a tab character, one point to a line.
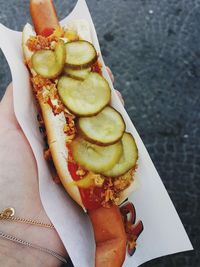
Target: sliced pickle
95	158
106	128
84	98
128	159
90	180
80	54
86	182
49	64
77	74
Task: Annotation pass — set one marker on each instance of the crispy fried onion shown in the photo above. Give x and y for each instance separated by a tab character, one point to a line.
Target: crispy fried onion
113	187
36	43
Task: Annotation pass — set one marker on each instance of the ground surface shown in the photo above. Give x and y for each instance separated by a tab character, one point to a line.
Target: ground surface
153	48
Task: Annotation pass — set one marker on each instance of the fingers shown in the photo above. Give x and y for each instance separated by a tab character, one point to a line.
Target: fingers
120	97
113	79
110	74
7	115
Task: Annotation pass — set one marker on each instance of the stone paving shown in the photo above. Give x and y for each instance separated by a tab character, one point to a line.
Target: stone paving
153	48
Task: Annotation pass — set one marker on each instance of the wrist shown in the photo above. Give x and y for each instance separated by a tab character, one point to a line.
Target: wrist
17	255
12	254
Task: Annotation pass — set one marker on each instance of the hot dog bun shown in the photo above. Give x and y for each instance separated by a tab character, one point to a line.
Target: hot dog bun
57	144
55	123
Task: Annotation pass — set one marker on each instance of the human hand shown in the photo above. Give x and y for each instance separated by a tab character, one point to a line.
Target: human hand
113	79
19	189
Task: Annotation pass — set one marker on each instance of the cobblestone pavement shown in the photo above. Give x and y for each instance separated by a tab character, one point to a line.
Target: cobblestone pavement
153	48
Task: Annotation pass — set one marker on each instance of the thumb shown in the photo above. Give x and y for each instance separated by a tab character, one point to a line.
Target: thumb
7	114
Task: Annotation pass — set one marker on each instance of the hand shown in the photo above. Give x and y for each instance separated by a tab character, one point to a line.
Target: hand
19	189
113	79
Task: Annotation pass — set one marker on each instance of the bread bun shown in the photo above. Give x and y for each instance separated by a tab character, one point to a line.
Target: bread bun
55	123
57	143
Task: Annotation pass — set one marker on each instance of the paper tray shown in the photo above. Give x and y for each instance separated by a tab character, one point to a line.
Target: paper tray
163	231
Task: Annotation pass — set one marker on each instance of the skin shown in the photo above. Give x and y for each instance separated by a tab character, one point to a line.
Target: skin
19	189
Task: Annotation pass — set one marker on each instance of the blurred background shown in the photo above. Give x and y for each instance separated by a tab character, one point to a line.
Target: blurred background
153	49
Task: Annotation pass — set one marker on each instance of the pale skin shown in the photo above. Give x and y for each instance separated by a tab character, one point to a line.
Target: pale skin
19	189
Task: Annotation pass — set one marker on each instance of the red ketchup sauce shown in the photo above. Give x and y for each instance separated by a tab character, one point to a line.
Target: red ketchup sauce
97	67
91	197
47	32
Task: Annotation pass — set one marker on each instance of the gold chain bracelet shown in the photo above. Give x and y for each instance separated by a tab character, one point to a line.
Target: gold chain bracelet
33	246
8	215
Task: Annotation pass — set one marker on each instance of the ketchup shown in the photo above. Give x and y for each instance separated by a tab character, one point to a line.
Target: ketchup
73	168
91	197
97	68
47	32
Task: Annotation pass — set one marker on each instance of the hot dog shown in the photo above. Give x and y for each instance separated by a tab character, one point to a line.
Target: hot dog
94	157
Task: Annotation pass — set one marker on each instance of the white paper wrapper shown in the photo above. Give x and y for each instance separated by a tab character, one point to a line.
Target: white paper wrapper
163	231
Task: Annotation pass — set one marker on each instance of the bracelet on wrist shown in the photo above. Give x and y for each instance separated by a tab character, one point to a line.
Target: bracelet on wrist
8	215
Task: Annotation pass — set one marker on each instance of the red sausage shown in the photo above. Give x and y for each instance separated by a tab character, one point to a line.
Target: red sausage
110	236
44	16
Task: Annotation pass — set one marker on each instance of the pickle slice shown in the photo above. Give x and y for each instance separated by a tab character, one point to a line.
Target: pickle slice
77	74
84	98
128	159
90	180
93	157
80	54
49	64
106	128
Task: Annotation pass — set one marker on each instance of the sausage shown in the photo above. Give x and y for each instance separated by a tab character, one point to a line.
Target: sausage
44	16
110	236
